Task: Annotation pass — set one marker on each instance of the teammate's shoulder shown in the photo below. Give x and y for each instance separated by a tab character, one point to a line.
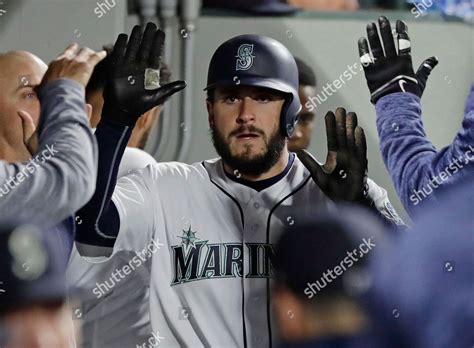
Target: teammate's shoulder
134	159
177	169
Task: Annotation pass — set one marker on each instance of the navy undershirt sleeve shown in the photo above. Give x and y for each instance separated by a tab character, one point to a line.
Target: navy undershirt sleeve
98	222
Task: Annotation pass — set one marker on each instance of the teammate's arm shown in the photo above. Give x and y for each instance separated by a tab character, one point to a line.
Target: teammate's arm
416	167
60	177
132	88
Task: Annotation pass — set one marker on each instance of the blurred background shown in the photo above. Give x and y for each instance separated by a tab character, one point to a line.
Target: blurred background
323	33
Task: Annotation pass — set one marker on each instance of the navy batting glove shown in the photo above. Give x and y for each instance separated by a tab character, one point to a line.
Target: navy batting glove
392	71
132	85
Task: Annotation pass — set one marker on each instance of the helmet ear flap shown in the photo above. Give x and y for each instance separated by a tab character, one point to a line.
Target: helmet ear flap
289	115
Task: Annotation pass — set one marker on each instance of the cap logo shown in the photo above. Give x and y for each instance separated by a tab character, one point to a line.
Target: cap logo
29	256
244	57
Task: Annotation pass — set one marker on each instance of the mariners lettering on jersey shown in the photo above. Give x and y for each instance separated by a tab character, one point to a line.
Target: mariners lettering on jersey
196	259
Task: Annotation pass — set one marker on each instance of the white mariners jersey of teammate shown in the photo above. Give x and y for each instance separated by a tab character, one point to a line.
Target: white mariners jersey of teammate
210	280
114	308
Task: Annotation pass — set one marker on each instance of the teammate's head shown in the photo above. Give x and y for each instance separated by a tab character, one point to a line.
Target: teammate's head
252	102
301	137
320	269
39	325
33	306
95	89
21	72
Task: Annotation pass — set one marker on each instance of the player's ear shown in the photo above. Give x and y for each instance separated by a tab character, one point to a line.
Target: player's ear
210	112
89	111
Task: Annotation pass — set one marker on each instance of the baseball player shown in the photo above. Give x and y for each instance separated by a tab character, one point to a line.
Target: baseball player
57	163
212	224
32	161
33	296
315	312
417	168
307	88
104	319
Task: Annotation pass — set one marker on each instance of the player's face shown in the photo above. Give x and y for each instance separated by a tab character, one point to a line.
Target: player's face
96	100
20	73
39	326
304	128
245	127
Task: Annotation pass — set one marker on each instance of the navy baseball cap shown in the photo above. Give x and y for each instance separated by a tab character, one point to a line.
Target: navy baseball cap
31	268
316	244
256	7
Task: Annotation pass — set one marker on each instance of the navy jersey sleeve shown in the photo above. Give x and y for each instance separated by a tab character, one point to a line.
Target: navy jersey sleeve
417	168
99	218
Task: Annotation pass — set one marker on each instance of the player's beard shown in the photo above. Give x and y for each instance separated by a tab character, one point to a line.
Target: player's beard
244	164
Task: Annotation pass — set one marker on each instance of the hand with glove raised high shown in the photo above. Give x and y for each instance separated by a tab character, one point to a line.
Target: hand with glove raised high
393	71
132	85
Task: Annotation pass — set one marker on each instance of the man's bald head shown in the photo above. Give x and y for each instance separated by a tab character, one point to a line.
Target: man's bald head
21	72
23	56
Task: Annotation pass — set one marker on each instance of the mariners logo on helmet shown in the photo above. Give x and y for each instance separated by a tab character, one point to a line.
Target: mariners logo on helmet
244	57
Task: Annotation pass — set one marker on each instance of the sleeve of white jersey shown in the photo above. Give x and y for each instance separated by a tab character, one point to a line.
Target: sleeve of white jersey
139	212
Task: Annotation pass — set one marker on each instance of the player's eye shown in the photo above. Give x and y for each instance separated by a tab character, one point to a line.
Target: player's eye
231	99
305	119
29	95
264	98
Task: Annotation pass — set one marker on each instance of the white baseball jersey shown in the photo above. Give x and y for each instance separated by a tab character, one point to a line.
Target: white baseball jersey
134	159
114	312
210	267
210	278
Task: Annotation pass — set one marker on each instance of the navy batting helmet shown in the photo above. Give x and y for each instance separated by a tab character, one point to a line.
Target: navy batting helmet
255	60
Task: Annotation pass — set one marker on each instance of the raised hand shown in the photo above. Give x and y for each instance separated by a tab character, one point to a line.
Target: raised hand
73	64
344	175
132	86
393	71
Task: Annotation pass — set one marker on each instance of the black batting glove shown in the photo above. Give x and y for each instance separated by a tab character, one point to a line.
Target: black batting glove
132	85
344	175
393	71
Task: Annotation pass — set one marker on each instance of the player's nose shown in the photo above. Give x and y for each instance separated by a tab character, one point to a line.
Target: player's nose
247	111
